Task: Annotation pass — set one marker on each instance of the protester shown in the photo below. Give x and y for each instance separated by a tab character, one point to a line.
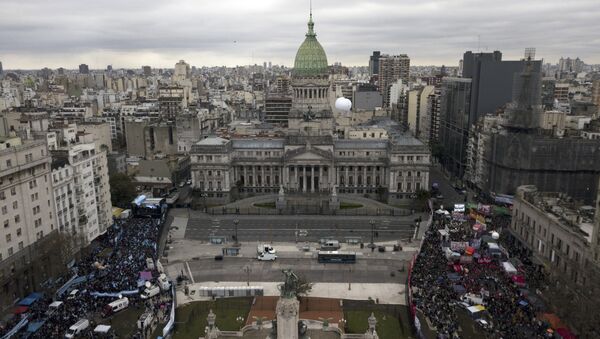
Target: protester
113	266
439	282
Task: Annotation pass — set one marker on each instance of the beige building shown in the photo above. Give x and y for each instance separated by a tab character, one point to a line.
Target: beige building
29	226
561	234
25	194
96	132
418	118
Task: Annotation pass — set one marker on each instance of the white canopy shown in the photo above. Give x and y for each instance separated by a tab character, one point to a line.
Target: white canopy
102	329
509	268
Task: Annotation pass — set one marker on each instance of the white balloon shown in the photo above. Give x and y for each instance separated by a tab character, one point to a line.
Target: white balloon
495	235
343	104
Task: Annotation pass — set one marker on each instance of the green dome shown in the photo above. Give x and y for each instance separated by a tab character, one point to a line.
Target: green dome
311	59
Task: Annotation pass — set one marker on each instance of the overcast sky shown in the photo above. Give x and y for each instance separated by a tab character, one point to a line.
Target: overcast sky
131	33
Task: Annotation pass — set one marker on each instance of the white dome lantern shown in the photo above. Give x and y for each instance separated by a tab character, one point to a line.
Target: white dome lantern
344	105
495	235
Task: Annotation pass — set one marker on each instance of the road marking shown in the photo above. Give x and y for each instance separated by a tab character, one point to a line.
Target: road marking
190	272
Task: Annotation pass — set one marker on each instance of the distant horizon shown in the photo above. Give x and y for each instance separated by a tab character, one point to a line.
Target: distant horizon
227	66
39	34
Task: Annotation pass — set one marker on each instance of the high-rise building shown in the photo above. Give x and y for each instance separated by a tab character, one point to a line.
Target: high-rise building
568	65
492	81
374	63
418	120
182	71
517	151
455	106
1	68
392	68
85	170
147	70
84	69
596	93
28	217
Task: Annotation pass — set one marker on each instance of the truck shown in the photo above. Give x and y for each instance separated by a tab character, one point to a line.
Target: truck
266	256
164	282
265	248
150	292
115	306
78	328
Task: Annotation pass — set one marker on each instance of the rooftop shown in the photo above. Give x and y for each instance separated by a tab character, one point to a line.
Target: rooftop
563	209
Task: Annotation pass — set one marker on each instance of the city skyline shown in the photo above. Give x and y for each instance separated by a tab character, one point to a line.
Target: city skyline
158	34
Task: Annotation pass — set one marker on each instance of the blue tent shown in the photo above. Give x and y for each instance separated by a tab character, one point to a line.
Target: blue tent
30	299
460	289
34	326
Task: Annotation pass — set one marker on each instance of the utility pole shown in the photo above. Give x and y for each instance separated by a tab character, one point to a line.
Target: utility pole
372	244
235	224
247	270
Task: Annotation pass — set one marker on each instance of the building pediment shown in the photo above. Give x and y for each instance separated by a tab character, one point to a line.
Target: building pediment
304	154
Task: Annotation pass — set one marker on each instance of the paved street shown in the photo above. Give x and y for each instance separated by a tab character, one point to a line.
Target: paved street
302	228
365	270
451	196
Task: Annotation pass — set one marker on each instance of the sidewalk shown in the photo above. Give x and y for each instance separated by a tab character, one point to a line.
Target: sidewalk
385	293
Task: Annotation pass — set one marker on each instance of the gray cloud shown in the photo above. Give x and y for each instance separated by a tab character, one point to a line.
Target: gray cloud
38	33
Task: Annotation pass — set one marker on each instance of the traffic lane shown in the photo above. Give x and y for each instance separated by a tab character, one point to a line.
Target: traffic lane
314	223
451	196
277	217
302	235
235	269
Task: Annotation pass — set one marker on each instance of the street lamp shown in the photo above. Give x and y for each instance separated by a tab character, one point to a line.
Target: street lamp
372	244
247	269
204	196
235	224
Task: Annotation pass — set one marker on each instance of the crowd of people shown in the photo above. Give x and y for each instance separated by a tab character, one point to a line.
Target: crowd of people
444	283
112	267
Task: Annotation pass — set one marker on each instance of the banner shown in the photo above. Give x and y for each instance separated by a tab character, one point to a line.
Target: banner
458	246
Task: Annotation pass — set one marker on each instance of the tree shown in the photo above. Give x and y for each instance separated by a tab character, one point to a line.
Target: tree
303	287
122	190
420	201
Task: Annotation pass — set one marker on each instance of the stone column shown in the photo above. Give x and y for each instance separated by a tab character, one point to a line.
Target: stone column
304	178
245	176
296	186
355	176
320	178
364	176
312	179
346	177
254	181
287	318
263	178
337	175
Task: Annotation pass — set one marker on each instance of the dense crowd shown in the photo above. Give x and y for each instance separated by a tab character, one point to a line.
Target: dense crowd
441	282
113	265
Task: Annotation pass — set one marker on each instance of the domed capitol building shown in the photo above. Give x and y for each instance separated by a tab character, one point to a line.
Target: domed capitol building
310	158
